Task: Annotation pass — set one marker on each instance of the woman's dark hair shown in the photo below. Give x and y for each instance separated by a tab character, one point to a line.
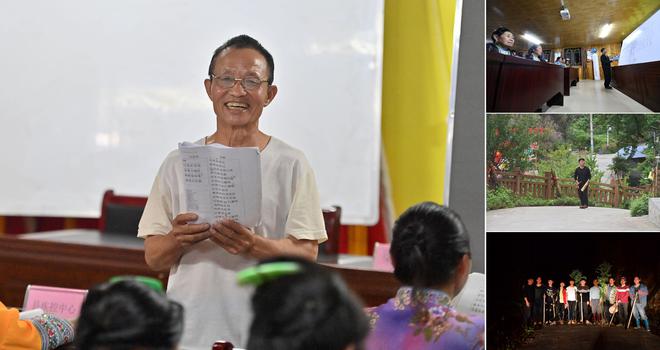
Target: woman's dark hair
499	31
311	309
429	241
245	42
126	315
532	48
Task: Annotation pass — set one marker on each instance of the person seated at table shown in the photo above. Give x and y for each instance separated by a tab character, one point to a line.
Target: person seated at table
503	40
560	61
300	305
128	315
38	333
430	252
535	53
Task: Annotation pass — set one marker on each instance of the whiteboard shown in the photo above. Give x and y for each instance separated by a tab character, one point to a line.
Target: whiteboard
643	44
94	94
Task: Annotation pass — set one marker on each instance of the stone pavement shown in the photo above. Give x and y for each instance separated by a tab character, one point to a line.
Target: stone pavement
566	219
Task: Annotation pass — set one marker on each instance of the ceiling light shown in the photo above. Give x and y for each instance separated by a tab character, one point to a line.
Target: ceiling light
531	38
605	30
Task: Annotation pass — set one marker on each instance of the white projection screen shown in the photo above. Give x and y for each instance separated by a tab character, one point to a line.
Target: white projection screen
643	44
95	94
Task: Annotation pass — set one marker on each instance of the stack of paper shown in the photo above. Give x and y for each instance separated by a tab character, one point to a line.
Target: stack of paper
222	182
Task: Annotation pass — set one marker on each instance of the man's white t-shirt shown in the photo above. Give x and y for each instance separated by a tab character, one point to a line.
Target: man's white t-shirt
571	293
204	280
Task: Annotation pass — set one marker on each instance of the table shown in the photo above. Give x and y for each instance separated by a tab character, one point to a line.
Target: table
515	84
82	258
571	78
639	81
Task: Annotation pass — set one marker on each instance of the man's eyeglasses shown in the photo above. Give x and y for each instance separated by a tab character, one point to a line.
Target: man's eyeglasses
228	82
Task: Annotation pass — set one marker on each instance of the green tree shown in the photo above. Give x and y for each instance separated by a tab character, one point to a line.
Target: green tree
603	273
578	134
513	136
577	275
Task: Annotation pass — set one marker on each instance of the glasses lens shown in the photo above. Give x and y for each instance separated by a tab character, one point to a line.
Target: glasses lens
251	83
225	81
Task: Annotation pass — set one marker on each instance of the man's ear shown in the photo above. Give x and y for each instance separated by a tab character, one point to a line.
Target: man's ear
207	87
272	91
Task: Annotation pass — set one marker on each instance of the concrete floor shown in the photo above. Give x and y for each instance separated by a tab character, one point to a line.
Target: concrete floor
590	96
581	337
566	219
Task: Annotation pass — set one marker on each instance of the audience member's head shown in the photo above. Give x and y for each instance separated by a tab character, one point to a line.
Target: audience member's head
301	305
503	36
535	49
431	248
583	282
128	315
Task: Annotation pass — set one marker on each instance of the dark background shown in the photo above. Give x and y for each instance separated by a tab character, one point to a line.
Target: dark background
514	257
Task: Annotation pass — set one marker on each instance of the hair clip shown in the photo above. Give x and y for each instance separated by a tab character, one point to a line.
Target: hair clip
256	275
150	282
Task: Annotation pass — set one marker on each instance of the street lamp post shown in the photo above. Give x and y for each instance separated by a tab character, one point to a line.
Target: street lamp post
591	132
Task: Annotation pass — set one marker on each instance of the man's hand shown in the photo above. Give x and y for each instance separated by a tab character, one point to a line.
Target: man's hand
232	236
162	251
188	234
527	303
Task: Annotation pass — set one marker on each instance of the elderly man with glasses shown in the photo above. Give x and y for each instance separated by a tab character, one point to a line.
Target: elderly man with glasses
203	258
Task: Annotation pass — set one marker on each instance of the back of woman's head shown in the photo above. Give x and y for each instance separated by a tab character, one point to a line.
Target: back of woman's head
308	309
532	49
428	243
128	315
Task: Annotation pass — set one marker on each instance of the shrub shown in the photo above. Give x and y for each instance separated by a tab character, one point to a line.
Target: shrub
499	198
640	206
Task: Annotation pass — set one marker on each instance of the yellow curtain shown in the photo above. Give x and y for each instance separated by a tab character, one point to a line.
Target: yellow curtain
417	62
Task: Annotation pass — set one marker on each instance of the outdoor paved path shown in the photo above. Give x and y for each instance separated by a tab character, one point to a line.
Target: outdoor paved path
603	161
566	219
580	337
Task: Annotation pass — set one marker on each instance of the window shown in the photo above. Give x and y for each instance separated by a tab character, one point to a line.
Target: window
547	54
573	56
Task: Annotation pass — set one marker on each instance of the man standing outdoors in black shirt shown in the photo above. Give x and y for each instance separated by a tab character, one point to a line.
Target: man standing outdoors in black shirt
528	302
539	291
607	68
582	176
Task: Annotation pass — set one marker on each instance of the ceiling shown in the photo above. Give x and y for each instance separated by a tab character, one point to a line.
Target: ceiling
587	17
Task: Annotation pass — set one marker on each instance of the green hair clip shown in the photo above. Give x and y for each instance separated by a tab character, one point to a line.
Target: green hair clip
150	282
256	275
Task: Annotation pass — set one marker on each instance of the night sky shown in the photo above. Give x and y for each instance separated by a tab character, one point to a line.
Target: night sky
513	257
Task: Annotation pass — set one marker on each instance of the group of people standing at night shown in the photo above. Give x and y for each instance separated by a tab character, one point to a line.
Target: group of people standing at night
547	304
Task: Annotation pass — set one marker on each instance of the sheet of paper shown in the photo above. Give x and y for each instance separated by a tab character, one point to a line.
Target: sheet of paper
472	299
222	182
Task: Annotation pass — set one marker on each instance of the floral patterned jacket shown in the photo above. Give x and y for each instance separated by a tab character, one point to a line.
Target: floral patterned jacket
422	319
